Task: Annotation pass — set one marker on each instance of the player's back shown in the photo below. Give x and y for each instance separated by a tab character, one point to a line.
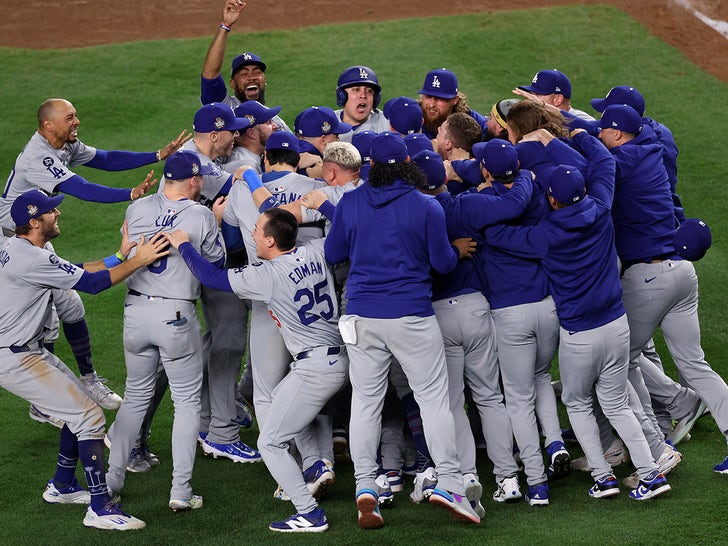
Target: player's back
170	277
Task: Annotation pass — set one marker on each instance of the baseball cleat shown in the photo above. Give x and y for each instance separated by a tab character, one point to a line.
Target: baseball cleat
201	437
137	462
73	493
669	459
684	425
508	490
41	417
384	490
559	461
319	478
650	488
722	468
311	522
396	481
100	393
243	418
237	452
604	488
458	505
538	495
182	505
111	517
150	457
424	484
367	505
473	492
616	454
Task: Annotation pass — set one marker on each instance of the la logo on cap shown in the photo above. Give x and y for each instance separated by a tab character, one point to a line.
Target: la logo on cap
435	82
219	123
247	56
363	73
535	79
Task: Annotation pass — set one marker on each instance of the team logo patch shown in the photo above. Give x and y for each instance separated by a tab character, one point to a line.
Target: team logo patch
32	211
436	82
53	259
278	189
363	73
299	259
47	161
325	127
219	123
247	56
535	79
195	168
251	119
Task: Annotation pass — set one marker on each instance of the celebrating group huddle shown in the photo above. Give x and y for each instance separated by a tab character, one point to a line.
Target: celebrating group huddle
423	250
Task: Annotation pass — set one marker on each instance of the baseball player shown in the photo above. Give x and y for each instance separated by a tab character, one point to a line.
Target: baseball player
404	115
316	127
297	287
268	355
250	144
358	94
45	163
470	345
29	272
660	288
527	330
393	235
552	87
247	76
594	335
440	97
215	128
161	324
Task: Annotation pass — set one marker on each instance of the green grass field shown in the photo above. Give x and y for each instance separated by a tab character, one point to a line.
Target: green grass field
140	95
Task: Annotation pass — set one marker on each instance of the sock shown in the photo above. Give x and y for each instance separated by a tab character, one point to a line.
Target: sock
80	341
414	422
91	453
67	458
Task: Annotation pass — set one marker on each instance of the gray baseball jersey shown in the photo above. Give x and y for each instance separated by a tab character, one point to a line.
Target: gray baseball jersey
242	157
234	102
28	274
40	165
299	290
376	122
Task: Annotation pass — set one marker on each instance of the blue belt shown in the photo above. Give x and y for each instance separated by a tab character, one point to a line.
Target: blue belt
306	354
154	298
30	346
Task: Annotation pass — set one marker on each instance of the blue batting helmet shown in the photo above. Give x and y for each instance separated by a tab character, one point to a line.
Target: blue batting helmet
357	75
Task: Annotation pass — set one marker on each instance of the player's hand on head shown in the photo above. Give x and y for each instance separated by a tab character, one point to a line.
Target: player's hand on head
126	244
450	172
313	199
539	135
176	237
240	171
576	131
151	250
231	11
175	145
466	247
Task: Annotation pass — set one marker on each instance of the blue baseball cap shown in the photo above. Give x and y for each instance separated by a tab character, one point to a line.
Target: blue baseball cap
432	165
388	147
621	117
245	59
498	156
217	116
549	82
255	112
565	183
417	142
318	121
622	94
404	115
32	204
283	140
185	164
362	141
440	83
692	239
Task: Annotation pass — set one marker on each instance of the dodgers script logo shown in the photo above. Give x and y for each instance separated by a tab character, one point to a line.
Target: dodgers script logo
435	82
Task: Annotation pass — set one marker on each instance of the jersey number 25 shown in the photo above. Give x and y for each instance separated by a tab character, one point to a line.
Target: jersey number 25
319	299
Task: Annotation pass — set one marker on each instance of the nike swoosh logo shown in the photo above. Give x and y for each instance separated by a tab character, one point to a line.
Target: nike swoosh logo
650	279
571	333
332	362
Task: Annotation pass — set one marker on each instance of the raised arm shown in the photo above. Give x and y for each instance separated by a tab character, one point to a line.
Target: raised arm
216	52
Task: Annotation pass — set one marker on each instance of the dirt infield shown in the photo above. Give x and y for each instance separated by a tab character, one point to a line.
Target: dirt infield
75	23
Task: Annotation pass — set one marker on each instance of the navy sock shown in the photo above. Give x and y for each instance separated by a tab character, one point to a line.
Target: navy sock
414	422
80	341
91	453
67	458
